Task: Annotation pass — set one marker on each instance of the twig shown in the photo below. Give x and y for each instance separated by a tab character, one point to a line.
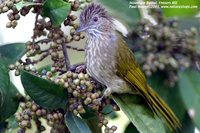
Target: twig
74	48
43	41
67	62
41	58
35	25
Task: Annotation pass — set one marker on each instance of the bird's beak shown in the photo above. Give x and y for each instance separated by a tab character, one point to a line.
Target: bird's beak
81	29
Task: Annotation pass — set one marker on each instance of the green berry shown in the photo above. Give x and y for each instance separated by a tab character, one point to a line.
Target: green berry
10	4
76	81
105	122
5	9
38	112
81	76
75	93
11	67
26	117
114	128
87	101
55	116
23	124
75	112
22	105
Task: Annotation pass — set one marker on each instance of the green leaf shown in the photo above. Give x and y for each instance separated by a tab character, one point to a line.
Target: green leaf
56	10
139	113
109	112
189	86
2	127
75	124
43	92
12	52
10	103
93	125
188	125
171	95
12	123
4	82
90	113
131	129
22	3
120	9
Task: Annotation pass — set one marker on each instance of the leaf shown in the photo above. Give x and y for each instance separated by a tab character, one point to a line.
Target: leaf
188	125
109	112
43	92
12	52
139	113
12	123
171	95
56	10
90	113
131	129
189	86
120	9
4	82
2	127
10	103
75	124
93	125
22	3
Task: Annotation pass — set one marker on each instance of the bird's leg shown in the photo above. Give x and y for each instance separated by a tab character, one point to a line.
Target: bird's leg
106	93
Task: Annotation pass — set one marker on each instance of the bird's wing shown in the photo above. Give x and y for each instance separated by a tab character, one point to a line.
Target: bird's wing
127	67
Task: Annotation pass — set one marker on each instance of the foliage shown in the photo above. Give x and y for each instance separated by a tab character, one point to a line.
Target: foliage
191	97
43	92
56	10
138	114
75	124
59	92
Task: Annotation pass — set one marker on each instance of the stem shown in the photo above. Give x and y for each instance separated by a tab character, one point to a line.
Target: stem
67	62
35	25
74	48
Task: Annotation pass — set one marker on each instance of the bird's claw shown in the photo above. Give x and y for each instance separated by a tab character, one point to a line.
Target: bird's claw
98	101
80	68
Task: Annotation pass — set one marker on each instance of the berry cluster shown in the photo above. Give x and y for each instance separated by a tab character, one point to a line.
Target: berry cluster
13	16
30	111
54	38
165	48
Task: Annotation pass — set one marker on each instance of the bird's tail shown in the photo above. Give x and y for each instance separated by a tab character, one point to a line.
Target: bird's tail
161	108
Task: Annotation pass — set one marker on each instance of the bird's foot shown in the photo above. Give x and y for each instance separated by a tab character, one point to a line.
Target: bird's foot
98	101
106	94
81	68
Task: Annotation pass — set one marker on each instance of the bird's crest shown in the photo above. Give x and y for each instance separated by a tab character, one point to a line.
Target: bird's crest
91	11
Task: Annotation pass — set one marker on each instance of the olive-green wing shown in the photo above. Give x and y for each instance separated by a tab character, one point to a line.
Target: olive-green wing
127	67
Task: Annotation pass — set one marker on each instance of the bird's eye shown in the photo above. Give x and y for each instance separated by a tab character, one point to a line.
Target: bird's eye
95	19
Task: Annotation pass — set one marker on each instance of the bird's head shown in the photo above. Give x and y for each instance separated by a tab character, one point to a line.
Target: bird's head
95	21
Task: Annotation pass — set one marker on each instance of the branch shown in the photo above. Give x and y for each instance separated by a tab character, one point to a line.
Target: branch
41	58
43	41
74	48
67	62
35	25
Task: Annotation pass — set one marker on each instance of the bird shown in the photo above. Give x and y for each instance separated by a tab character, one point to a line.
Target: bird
110	61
